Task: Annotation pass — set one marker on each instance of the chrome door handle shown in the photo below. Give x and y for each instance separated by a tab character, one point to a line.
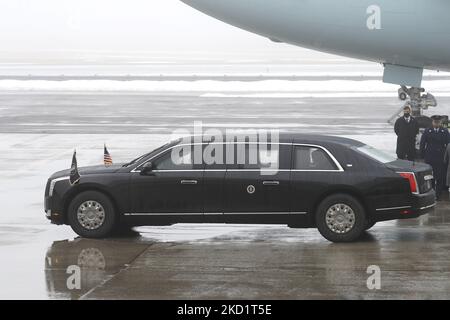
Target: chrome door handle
189	181
271	183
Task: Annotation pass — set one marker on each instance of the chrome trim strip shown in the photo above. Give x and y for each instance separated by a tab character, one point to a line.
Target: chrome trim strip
298	170
204	143
393	208
192	170
261	213
163	214
428	207
242	170
338	165
53	184
210	214
257	170
251	213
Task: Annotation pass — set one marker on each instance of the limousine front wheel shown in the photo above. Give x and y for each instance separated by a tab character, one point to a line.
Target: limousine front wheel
91	215
341	218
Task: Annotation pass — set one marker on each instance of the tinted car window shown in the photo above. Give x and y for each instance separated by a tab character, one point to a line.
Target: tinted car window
178	158
214	156
376	154
252	156
312	158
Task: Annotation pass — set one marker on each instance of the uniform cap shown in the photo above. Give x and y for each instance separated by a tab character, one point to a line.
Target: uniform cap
436	118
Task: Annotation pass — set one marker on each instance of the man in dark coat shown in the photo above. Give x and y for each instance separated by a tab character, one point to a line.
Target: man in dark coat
433	146
407	130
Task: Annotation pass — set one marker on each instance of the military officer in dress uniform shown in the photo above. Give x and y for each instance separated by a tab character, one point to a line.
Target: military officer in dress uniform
433	146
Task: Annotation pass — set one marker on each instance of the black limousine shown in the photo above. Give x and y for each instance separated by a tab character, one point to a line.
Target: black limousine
340	186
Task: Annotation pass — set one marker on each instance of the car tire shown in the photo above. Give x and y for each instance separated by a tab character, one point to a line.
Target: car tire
91	214
341	218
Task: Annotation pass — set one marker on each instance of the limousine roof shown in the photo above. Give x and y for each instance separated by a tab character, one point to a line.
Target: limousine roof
298	138
326	139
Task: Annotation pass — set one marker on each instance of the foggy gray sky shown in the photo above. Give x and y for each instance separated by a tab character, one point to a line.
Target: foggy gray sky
51	26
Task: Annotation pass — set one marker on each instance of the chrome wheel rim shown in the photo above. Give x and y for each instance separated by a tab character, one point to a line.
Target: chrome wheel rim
340	218
91	258
91	215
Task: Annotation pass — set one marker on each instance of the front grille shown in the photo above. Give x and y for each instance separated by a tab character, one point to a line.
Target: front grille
47	188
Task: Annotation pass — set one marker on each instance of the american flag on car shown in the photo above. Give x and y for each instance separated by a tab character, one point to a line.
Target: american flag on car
107	157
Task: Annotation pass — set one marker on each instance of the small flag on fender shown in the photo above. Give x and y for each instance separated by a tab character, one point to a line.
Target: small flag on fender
107	157
74	174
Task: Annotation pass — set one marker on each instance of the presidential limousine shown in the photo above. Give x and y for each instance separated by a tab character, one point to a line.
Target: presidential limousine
340	186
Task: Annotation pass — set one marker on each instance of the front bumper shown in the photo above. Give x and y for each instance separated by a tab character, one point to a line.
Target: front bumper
53	212
420	204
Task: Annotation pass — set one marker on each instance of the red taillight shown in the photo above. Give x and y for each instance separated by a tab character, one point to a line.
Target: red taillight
412	180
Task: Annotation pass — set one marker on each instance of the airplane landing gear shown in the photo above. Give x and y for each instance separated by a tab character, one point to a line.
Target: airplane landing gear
418	100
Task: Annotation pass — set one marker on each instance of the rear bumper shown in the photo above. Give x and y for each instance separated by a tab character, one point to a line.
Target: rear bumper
419	205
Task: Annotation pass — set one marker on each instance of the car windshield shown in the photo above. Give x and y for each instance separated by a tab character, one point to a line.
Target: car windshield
376	154
146	155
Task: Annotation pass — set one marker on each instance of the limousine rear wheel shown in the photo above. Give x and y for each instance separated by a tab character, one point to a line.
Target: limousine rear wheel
341	218
91	214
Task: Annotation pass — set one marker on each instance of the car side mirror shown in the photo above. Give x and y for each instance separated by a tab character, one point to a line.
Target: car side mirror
147	168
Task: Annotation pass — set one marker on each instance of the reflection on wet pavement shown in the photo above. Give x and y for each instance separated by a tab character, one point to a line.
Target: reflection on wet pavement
99	260
258	262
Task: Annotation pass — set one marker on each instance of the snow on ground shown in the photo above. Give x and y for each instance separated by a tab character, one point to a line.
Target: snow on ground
208	88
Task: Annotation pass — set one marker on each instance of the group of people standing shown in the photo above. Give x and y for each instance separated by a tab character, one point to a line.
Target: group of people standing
434	146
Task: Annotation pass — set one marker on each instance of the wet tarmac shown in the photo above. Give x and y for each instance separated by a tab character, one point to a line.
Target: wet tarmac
157	113
257	262
38	132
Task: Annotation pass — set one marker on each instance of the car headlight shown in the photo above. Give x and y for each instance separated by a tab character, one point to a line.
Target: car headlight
53	183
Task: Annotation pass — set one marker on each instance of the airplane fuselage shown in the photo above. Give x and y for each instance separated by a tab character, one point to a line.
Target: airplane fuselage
408	33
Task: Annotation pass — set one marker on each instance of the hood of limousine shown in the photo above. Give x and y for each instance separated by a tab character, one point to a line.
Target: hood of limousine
101	169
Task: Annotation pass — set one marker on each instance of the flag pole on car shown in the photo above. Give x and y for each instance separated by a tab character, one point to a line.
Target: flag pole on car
74	174
107	159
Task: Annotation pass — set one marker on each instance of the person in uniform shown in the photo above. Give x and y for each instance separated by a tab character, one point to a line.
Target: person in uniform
447	165
433	146
406	128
